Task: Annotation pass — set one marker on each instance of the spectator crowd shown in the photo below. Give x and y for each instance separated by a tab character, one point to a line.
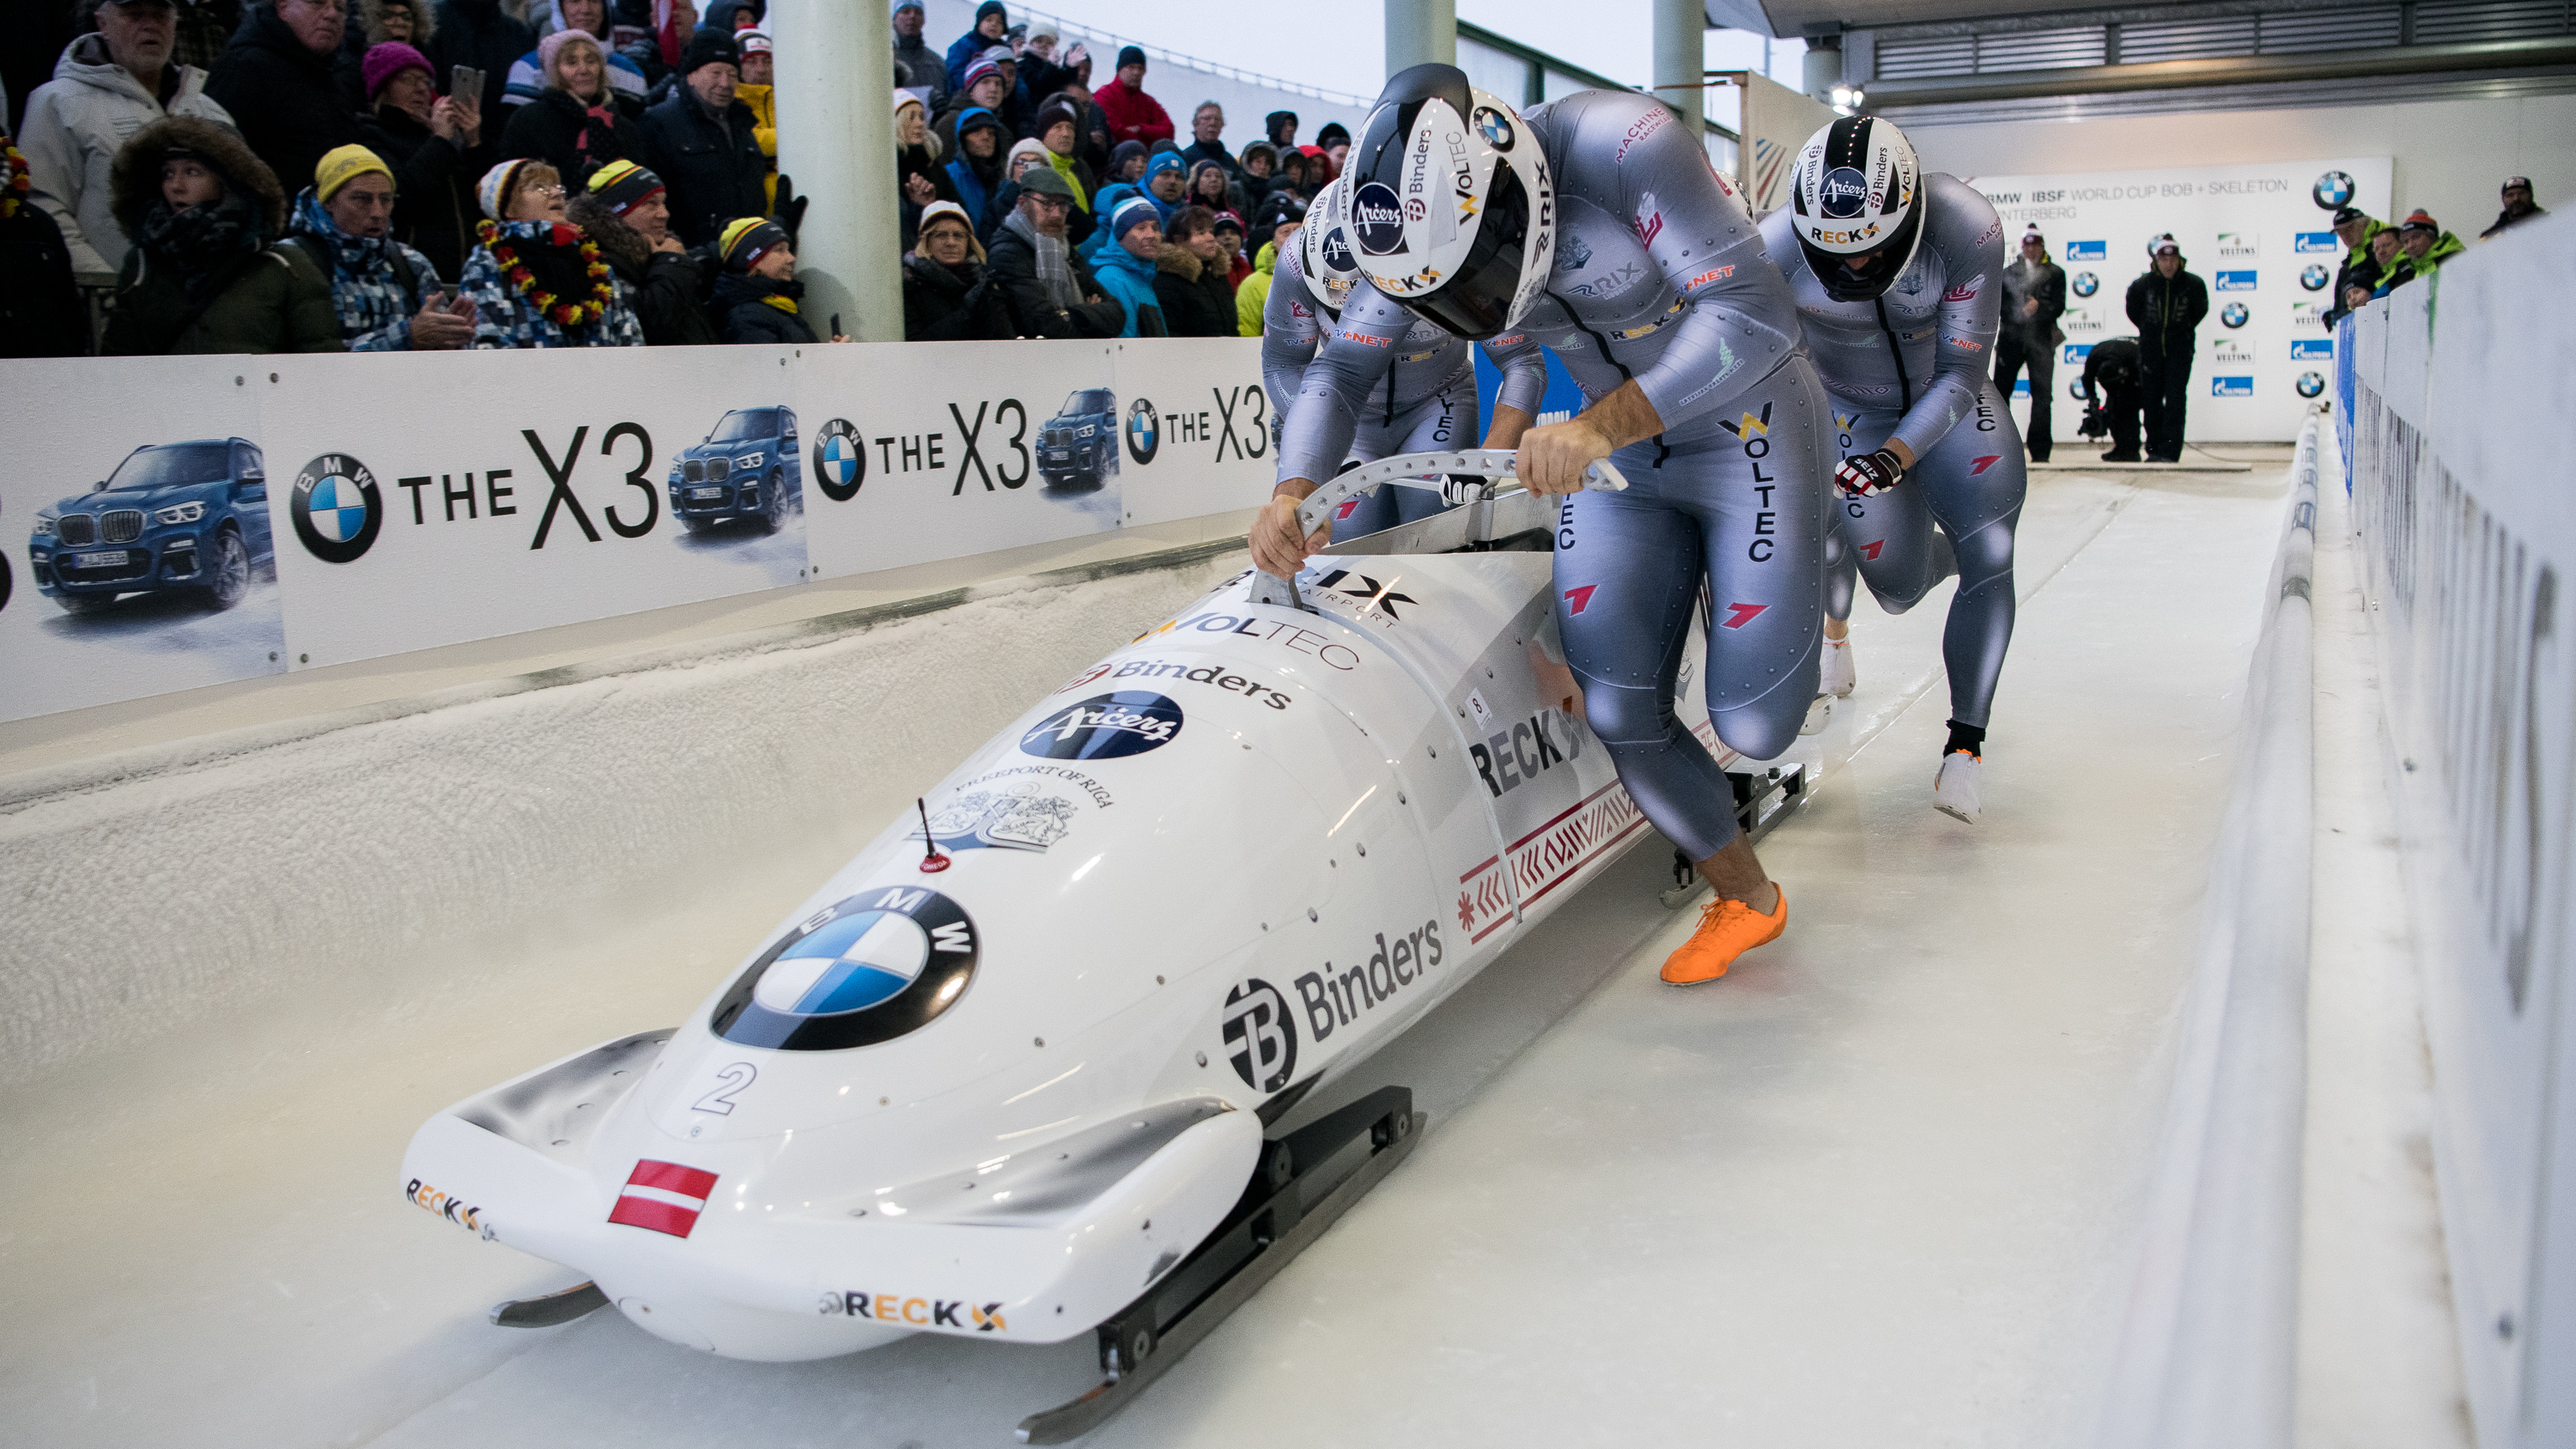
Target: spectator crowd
305	176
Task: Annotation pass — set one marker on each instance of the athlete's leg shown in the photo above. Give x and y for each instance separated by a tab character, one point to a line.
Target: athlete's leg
1887	536
2123	411
2043	397
1759	513
1973	480
2151	392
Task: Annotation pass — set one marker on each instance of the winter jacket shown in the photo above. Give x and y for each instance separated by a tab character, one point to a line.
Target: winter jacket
2506	219
972	185
711	168
481	34
282	98
376	284
205	280
2044	284
1252	294
573	138
2399	271
923	70
2167	312
1105	204
2445	247
961	54
41	313
941	306
75	126
1013	264
505	317
434	180
2111	367
2359	269
1133	115
751	309
1196	299
667	289
762	102
916	161
1129	278
1198	151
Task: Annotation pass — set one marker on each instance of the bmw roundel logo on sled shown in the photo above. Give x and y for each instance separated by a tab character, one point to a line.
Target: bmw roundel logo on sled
1495	127
2332	190
1260	1035
1377	214
1144	431
1844	192
840	460
336	508
871	968
1105	727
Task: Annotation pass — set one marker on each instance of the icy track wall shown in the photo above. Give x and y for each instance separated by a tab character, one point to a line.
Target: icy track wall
2469	552
446	840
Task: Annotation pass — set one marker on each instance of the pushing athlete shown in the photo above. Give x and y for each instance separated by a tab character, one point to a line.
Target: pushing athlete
1898	279
1594	226
1425	396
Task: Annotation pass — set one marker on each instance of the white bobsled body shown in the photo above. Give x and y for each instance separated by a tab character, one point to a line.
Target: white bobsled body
1219	867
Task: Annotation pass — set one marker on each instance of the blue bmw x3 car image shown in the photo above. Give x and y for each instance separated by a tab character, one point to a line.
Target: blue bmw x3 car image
173	516
1079	445
746	469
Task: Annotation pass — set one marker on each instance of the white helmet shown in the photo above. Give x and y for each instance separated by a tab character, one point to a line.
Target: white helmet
1451	203
1857	194
1330	261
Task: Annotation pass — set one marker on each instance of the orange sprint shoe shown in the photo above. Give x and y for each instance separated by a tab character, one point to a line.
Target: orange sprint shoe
1727	929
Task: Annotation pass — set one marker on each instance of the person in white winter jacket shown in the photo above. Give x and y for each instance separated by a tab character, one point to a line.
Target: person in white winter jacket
106	87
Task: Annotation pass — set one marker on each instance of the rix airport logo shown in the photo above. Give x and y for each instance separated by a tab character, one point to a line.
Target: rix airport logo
2233	314
2313	276
337	508
2086	284
2316	243
2311	384
2231	387
2312	349
840	460
2333	189
2087	251
2236	281
1144	431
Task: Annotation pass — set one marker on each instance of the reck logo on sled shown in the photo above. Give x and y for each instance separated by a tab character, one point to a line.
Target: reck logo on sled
1336	998
1105	727
1511	758
917	1312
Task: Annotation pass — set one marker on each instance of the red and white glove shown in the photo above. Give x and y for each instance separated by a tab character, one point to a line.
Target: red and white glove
1869	473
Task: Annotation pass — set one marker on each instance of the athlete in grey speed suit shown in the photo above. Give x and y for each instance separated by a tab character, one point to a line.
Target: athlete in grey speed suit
1913	365
1423	398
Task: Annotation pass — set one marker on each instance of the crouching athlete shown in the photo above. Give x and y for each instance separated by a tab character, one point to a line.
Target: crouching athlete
1423	398
1593	225
1898	278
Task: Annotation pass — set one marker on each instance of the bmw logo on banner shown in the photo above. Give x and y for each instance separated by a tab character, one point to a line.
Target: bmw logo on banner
2086	284
2233	314
2311	384
873	967
840	460
336	508
2313	277
1144	431
1105	727
2332	190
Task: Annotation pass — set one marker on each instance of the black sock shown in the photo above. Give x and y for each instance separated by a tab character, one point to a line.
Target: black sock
1971	738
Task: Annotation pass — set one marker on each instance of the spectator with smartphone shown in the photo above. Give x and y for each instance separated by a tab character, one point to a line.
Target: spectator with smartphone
626	211
106	87
702	142
435	147
386	294
275	80
486	39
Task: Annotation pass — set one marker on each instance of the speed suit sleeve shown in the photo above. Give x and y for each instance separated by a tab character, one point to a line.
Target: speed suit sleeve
1290	332
1741	323
1962	230
1357	352
1523	365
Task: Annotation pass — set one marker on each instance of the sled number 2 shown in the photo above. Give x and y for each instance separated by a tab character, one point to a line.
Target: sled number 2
729	1085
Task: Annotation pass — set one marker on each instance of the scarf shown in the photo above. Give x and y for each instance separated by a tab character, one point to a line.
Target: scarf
1054	272
202	242
551	251
1064	167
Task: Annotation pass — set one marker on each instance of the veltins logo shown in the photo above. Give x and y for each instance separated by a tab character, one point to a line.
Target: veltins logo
2236	281
2332	190
1259	1035
2311	384
2231	350
2086	251
2233	314
2231	387
336	508
840	460
2316	243
2239	244
2312	349
1377	213
2086	284
2313	276
1495	127
1105	727
868	968
2075	353
1842	194
1144	431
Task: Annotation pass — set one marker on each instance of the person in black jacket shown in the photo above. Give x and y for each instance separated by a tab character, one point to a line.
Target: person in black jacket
573	125
2111	397
2167	305
481	34
1190	278
40	310
437	151
275	80
626	211
2034	298
947	294
1050	292
700	141
757	296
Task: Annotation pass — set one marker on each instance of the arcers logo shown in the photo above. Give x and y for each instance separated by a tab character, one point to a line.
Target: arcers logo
917	1312
1842	193
1335	998
1377	214
1105	727
1509	759
444	1205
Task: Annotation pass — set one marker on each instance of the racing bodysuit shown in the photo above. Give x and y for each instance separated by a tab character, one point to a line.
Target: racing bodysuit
1915	363
1659	278
1424	399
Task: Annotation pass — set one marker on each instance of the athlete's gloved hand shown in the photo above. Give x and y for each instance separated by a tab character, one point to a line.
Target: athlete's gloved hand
1869	473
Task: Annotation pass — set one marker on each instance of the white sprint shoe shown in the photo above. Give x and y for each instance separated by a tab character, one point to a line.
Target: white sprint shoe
1837	677
1954	789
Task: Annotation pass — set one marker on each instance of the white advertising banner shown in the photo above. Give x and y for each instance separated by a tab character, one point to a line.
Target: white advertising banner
138	552
1195	424
429	498
2260	236
929	450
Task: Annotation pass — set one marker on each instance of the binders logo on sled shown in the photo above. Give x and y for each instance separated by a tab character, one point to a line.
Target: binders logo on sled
663	1196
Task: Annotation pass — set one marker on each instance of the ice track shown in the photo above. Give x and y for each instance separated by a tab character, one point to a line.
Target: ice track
1877	1187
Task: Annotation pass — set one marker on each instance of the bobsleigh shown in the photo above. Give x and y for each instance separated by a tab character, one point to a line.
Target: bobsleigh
1013	1073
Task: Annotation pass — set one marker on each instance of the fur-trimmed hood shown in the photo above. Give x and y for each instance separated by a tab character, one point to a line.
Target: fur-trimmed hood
136	179
1180	261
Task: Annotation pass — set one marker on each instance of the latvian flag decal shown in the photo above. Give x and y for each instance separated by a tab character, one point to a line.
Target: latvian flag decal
663	1196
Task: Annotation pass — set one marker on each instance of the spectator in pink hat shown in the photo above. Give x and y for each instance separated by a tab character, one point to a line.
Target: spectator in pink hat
436	147
574	124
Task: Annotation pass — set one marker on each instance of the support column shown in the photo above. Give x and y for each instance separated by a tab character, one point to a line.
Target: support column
835	67
1419	32
1681	55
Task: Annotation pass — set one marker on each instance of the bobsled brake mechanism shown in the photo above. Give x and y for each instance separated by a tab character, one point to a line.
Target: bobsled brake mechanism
1284	1209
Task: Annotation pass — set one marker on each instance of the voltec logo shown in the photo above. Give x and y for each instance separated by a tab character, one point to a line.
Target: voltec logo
2332	190
2231	387
1842	194
336	508
1495	127
1259	1036
2233	314
2312	349
2236	281
2316	243
1378	215
840	460
2239	244
2313	277
1105	727
2086	251
866	969
1144	431
2311	385
917	1312
2086	284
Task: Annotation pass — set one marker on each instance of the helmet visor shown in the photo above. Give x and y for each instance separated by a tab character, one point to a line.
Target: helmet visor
1475	301
1890	259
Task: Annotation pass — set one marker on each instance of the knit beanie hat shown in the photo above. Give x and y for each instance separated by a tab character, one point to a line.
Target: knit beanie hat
745	240
344	164
976	118
977	71
1160	162
384	62
2419	220
623	186
555	41
1130	55
1035	149
1130	212
756	41
493	191
709	47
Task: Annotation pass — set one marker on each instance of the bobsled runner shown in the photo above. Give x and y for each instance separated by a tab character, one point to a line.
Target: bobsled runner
1013	1073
